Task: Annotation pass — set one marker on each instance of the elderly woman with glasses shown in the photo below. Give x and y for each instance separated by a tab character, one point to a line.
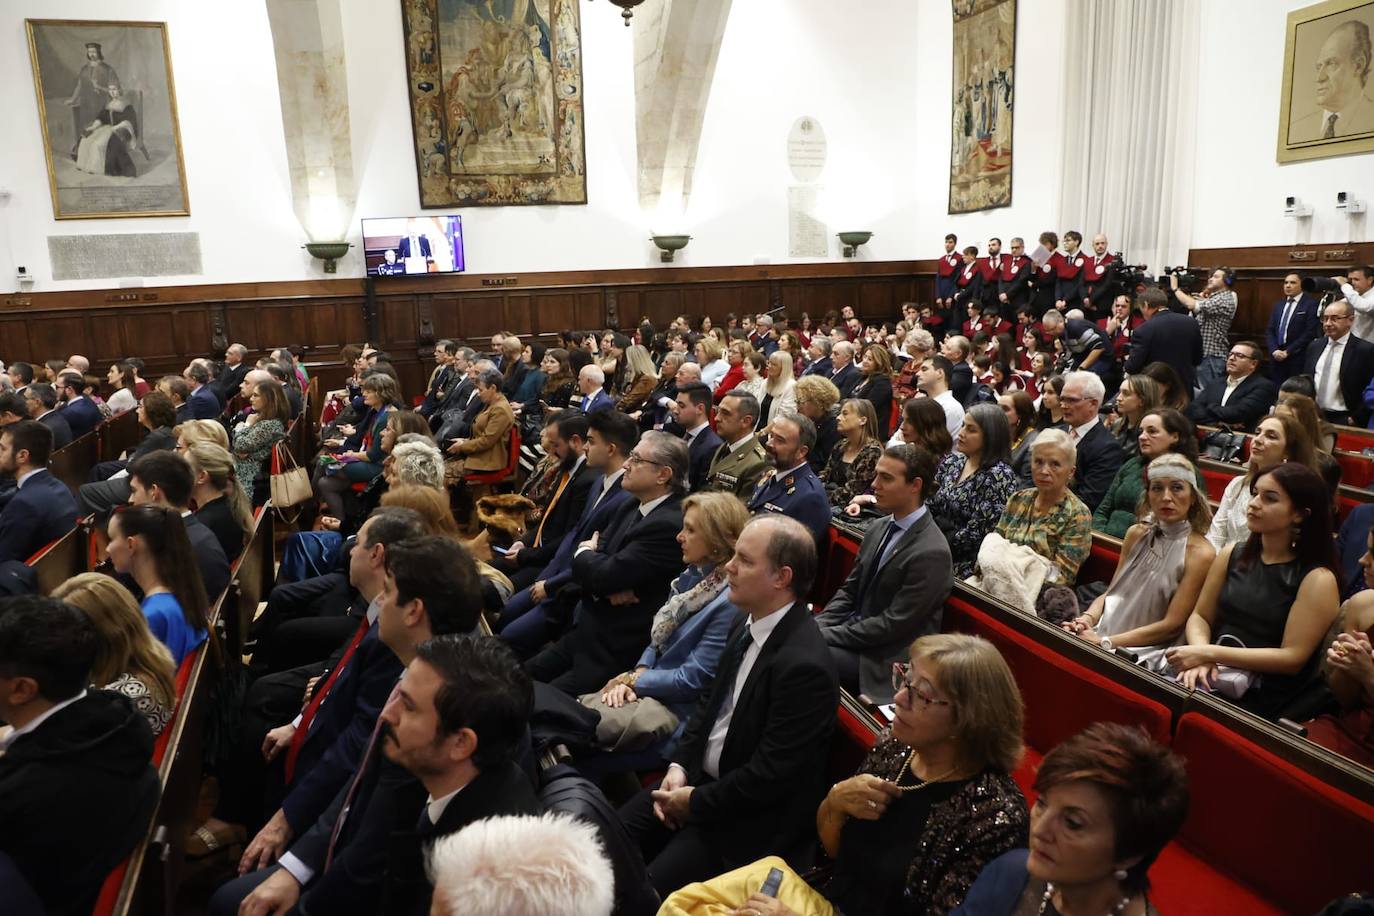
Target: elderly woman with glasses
931	805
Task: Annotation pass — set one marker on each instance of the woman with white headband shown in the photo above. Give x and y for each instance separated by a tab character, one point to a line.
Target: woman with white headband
1164	561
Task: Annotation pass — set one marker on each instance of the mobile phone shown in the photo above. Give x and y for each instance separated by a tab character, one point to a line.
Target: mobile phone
500	550
772	883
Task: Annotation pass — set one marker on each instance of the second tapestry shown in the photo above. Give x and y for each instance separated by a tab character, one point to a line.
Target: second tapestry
984	76
496	101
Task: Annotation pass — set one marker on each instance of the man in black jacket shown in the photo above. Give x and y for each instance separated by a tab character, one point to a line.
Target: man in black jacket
232	374
564	507
694	416
1341	365
623	572
1166	337
1242	397
76	787
165	479
749	771
1099	454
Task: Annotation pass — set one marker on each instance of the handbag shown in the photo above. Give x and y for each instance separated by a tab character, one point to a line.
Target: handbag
290	482
635	726
1223	445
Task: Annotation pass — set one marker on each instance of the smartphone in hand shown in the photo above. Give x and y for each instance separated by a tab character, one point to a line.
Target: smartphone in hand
772	883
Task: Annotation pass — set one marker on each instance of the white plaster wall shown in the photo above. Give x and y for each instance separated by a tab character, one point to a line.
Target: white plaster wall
1240	186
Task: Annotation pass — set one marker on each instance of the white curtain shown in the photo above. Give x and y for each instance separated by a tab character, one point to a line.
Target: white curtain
1130	127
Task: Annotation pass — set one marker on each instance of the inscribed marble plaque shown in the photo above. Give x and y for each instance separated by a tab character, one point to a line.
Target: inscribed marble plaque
141	254
806	149
806	235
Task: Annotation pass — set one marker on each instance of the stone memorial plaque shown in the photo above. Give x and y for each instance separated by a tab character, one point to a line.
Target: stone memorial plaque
806	149
139	254
806	235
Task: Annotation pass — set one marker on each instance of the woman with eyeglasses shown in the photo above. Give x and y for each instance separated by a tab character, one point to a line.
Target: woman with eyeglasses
931	805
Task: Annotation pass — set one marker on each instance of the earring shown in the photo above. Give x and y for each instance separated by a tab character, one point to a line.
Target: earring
1119	874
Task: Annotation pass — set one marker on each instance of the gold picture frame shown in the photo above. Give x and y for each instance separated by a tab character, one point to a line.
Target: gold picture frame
1325	109
112	143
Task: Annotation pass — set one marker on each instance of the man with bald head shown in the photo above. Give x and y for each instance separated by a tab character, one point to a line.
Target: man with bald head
1341	90
79	363
1099	276
227	383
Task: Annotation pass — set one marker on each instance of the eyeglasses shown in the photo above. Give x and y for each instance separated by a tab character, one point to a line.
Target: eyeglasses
901	674
1326	318
1236	354
632	458
1070	401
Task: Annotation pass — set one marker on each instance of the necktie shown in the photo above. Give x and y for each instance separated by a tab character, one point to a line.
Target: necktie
1283	325
424	825
1324	382
1330	130
364	763
562	485
308	714
871	572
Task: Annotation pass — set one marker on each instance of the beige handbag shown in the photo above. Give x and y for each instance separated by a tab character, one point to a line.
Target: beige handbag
290	482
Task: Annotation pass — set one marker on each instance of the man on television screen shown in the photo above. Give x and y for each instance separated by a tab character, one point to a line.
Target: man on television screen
414	251
390	266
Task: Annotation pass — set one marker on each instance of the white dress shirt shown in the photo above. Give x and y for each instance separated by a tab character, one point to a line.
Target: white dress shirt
954	411
1363	327
38	720
759	631
1078	433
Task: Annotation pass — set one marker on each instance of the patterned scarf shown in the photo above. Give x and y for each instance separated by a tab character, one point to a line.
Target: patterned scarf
682	605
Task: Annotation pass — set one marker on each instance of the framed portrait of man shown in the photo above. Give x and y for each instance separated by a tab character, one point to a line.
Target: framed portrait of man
108	111
1327	108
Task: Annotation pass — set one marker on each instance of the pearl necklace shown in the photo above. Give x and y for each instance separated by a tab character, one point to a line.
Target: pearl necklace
911	758
1049	892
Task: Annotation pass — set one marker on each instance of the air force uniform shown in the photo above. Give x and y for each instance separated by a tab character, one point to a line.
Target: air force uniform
798	493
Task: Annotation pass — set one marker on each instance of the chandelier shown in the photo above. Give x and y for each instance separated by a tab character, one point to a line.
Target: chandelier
627	9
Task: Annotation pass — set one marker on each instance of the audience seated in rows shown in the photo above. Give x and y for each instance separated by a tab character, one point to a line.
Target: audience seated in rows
740	460
254	436
973	484
1098	454
42	509
1349	667
42	401
1278	440
1137	396
818	400
221	503
81	413
1019	409
693	414
359	456
109	486
149	544
1162	431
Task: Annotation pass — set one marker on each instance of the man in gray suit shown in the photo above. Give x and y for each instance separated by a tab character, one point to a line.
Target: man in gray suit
898	586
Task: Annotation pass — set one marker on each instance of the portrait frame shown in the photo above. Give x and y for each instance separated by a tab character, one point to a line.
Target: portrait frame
1302	116
496	107
138	118
983	67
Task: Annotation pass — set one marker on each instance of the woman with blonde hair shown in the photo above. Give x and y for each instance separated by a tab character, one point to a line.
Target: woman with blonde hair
735	354
854	459
779	390
193	431
931	805
1303	409
221	504
642	378
128	659
712	362
817	398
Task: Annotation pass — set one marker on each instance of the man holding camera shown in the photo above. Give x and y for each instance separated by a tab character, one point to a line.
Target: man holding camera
1358	289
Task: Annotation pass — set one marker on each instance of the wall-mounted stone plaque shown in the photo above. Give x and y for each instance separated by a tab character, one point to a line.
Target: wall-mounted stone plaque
806	149
139	254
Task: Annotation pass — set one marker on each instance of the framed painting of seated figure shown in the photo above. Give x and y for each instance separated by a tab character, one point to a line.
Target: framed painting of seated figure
1327	107
107	107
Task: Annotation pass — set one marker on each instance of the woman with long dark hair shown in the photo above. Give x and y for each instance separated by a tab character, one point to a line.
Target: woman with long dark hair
1256	633
149	543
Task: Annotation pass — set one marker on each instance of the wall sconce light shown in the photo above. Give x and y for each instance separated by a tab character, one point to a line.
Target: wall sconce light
852	241
670	244
329	252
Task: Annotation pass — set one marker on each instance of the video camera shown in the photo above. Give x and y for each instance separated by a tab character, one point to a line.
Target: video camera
1129	279
1320	285
1190	279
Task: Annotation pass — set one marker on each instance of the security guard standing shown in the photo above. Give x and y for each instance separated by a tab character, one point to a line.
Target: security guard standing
791	487
740	462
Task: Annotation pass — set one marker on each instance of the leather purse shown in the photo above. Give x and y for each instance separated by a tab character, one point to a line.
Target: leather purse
1224	445
290	482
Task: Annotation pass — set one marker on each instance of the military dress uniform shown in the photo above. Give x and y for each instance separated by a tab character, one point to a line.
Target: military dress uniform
736	471
798	493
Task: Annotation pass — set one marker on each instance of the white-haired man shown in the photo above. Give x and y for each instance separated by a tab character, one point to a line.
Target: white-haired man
1099	454
591	381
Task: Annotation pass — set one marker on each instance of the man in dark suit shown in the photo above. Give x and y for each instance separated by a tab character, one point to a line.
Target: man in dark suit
749	771
623	572
591	383
1166	337
1342	366
78	410
790	487
566	501
1242	397
176	388
414	246
1099	454
204	404
843	373
1293	325
819	352
444	377
21	376
1013	286
897	589
165	479
459	393
42	400
231	377
440	755
42	509
76	787
694	415
526	620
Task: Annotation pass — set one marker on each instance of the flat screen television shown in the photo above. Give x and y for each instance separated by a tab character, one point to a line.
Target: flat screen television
404	246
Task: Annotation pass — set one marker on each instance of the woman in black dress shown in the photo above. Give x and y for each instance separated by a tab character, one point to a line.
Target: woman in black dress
221	505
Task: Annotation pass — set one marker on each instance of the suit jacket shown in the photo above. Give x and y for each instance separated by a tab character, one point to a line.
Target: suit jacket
61	429
799	494
1247	405
1357	369
845	379
439	383
450	419
822	367
599	401
340	731
161	439
1099	458
879	615
403	248
1015	283
772	766
700	452
637	554
596	517
489	447
736	472
961	382
204	404
559	520
185	413
82	415
40	512
230	381
877	390
1171	338
1304	326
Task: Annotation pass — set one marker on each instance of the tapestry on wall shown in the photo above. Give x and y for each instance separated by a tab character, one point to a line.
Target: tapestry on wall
496	101
984	75
1327	107
108	111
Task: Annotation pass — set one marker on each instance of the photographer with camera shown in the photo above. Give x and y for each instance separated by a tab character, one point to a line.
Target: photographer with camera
1215	309
1358	290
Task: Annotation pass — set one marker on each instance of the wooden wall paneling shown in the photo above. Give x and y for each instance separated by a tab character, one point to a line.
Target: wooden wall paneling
660	306
482	315
15	343
517	312
551	312
149	334
111	338
398	323
55	338
447	310
331	323
816	299
590	311
628	307
191	332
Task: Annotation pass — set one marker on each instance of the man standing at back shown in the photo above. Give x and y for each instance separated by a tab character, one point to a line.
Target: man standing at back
43	509
1341	365
1166	337
1294	323
749	771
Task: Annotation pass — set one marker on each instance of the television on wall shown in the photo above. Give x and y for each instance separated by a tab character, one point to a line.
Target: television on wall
404	246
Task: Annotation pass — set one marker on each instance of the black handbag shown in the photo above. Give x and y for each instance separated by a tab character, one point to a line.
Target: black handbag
1224	445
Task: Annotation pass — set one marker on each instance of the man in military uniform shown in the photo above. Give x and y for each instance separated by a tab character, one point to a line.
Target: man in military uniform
791	487
740	462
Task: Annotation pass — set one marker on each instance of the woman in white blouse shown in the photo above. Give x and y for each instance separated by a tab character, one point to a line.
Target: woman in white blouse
779	389
1278	439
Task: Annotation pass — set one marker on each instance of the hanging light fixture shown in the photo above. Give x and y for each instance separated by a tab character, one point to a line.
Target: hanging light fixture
627	9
